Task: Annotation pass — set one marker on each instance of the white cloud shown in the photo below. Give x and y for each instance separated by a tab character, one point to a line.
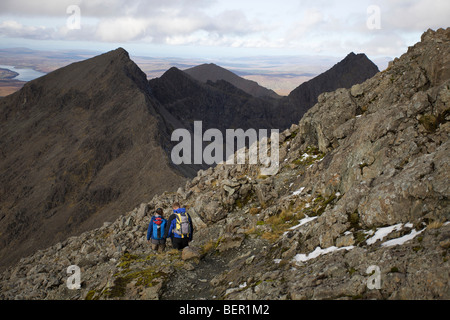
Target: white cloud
121	29
319	26
100	8
418	16
122	21
308	24
15	29
236	22
33	8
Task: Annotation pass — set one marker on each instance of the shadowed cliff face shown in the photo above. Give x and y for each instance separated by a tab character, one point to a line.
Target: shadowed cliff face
78	147
206	93
353	69
218	105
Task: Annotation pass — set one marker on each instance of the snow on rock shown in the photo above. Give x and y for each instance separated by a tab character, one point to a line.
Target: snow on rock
303	221
301	257
383	232
297	192
402	240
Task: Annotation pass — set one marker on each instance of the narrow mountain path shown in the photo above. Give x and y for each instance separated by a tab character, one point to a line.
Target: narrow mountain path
195	281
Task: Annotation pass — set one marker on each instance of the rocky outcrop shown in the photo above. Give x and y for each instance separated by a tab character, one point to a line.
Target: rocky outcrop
359	209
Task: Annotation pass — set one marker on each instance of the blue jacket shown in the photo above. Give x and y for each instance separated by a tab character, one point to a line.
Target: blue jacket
150	228
173	224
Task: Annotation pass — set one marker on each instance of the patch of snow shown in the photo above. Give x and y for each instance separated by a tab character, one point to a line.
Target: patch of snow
243	285
304	156
302	222
277	261
402	240
383	232
409	225
231	290
301	257
297	192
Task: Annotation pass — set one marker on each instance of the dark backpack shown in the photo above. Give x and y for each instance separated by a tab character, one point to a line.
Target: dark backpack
159	225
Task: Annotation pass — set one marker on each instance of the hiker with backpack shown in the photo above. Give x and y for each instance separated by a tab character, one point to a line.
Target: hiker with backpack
156	232
179	227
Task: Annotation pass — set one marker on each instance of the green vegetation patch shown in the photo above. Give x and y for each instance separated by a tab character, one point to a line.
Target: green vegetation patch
318	205
136	270
144	278
310	155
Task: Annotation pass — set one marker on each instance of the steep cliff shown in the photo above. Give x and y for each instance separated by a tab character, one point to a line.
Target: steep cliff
78	147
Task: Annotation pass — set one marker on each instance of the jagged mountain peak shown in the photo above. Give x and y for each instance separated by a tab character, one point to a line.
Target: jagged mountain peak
353	69
77	132
355	56
213	72
121	51
109	69
360	59
174	72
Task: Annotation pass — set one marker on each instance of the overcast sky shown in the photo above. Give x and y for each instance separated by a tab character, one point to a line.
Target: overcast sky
207	28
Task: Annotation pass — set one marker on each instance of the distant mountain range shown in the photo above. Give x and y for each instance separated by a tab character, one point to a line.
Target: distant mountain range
88	141
221	99
212	72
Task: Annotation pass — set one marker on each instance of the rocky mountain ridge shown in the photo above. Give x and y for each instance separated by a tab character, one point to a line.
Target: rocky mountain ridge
218	105
223	100
214	73
68	141
358	210
353	69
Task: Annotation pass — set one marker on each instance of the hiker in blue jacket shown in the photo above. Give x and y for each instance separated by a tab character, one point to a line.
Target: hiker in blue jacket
179	227
156	232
